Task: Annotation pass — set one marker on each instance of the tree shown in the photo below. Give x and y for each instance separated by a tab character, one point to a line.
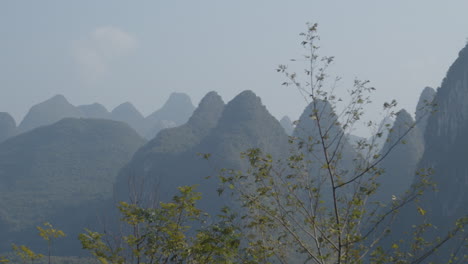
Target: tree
316	206
167	234
49	233
25	254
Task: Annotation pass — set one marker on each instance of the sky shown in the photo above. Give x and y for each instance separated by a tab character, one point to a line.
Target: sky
140	51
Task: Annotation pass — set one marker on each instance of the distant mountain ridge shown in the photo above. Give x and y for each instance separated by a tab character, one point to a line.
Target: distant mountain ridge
7	126
95	110
405	146
287	124
127	113
222	131
176	111
48	112
309	136
424	108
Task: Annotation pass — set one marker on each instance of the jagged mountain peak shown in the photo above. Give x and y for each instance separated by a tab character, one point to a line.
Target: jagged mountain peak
211	98
286	119
94	110
209	109
175	102
307	124
428	92
6	117
403	149
56	99
424	107
459	66
177	99
287	124
127	113
60	97
48	112
403	116
452	110
245	106
246	95
403	122
7	126
245	123
181	138
126	107
176	111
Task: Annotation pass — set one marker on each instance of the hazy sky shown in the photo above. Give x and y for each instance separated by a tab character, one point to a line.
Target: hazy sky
141	51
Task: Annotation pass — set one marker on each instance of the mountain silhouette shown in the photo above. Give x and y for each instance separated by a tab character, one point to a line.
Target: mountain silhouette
60	173
7	126
175	112
47	113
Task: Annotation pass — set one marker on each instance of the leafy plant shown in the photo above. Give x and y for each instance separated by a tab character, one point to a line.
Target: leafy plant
49	234
166	234
317	206
25	254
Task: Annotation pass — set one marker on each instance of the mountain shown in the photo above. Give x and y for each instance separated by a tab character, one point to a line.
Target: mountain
309	135
447	145
95	110
182	138
445	153
175	112
222	131
60	173
127	113
356	142
424	107
7	126
401	163
378	140
287	125
48	112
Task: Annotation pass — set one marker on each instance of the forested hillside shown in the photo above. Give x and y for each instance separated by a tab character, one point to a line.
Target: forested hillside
60	173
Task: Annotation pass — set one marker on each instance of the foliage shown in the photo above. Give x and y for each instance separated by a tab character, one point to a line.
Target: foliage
166	234
26	253
312	208
316	206
49	234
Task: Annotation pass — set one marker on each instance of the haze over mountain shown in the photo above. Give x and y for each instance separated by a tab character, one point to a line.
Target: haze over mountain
179	139
7	126
60	173
175	112
171	159
401	163
447	147
309	136
95	110
287	124
48	112
127	113
424	108
445	152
